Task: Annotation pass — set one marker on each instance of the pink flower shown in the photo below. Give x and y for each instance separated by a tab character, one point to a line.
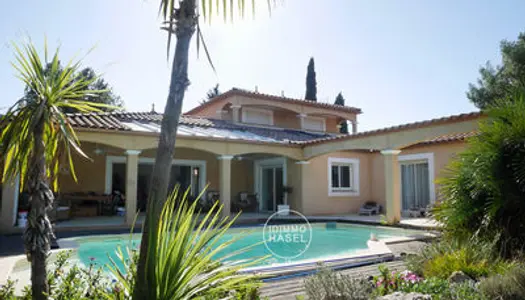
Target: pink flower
117	289
379	282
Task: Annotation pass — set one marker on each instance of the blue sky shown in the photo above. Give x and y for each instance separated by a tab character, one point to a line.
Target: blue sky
399	61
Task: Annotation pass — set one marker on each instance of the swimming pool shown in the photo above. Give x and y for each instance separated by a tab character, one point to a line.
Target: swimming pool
328	241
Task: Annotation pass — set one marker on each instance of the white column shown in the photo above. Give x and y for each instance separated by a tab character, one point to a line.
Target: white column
302	190
132	168
9	204
225	183
301	119
236	109
354	127
392	186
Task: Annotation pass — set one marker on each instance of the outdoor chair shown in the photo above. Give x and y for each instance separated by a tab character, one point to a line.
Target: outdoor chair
206	204
61	209
246	202
370	208
109	206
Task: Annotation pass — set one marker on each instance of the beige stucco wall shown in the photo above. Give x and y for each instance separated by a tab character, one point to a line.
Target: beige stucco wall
397	139
443	154
285	114
91	174
331	125
211	109
242	177
294	181
286	119
377	175
315	199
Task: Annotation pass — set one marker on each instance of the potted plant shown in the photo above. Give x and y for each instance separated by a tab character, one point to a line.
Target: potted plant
284	209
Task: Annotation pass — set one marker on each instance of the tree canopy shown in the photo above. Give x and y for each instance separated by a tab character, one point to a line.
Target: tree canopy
96	83
340	100
498	82
212	93
311	81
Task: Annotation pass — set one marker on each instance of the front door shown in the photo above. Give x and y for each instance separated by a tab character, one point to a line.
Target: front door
271	187
415	186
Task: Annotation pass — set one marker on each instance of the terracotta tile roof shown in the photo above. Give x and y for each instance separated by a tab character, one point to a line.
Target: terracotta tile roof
206	127
414	125
447	138
190	126
242	92
113	120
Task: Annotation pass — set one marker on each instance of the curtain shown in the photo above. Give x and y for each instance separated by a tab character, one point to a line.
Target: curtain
407	186
422	187
415	189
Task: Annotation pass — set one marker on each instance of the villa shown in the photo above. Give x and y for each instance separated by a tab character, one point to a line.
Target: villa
255	152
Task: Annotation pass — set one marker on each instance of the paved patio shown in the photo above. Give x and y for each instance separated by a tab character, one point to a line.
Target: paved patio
117	222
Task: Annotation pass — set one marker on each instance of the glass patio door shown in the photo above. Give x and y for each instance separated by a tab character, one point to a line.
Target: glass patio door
272	188
415	187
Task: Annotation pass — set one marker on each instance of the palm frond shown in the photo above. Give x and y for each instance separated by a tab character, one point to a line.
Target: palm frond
185	258
169	11
49	89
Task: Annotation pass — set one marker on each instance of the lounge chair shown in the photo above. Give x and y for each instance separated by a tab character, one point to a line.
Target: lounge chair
370	208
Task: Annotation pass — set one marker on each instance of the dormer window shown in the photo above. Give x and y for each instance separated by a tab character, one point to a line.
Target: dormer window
257	116
313	123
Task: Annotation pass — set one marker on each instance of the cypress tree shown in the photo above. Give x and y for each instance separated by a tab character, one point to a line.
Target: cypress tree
340	100
311	82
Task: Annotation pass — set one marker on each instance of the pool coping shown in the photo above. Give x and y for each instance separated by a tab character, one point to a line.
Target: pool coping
376	252
381	252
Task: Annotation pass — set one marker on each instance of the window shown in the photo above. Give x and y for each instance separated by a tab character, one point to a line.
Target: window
257	116
313	123
343	176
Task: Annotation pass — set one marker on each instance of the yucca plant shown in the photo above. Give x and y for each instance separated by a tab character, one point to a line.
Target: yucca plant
189	260
181	19
484	191
36	137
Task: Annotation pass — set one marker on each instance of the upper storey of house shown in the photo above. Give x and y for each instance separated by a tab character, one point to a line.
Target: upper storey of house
253	108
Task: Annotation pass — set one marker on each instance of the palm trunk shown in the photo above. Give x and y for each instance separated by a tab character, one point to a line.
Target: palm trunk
37	236
186	20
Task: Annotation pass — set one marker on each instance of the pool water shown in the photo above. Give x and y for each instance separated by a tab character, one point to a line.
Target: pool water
327	240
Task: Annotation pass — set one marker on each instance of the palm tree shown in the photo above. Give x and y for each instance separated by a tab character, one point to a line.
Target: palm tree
36	138
181	18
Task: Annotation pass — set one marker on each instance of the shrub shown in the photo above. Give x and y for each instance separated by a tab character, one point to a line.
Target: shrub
249	291
462	291
507	286
473	257
329	285
408	282
7	290
388	282
431	286
71	282
484	189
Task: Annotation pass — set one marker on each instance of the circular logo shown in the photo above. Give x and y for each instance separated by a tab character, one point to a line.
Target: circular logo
287	241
